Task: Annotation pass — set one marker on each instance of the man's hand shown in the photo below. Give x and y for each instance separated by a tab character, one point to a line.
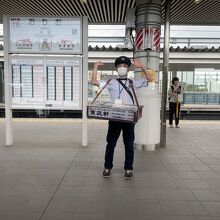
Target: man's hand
98	63
137	63
94	72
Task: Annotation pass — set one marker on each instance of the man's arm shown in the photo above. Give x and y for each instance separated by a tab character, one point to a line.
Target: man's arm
94	80
137	63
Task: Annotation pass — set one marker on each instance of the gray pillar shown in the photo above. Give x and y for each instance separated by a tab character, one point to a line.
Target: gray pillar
85	83
147	50
8	88
165	73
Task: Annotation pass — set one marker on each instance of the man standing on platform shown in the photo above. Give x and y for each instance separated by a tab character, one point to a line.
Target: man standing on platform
121	94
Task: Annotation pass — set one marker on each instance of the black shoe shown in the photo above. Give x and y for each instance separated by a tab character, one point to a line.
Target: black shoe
128	174
106	173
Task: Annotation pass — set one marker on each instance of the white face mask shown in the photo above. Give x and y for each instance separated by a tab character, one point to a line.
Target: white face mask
122	72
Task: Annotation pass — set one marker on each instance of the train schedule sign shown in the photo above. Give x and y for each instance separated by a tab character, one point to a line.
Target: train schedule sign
46	82
53	35
46	66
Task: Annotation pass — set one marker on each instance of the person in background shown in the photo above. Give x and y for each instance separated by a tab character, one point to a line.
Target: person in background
175	97
120	95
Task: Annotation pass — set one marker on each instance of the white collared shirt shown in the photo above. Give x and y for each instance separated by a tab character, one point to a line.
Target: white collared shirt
117	91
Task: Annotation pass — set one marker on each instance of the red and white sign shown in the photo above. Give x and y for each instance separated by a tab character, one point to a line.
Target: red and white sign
147	38
139	38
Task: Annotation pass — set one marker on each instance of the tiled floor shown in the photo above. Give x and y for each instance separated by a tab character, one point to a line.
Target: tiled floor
46	175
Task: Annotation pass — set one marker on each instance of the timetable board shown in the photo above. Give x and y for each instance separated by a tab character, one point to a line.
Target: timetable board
50	35
39	83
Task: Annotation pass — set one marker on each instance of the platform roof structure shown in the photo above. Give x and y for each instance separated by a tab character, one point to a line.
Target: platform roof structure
192	12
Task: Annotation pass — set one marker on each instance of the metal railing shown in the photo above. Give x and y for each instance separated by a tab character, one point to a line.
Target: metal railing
201	98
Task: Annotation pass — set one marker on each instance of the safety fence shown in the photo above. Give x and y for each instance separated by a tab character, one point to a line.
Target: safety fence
201	98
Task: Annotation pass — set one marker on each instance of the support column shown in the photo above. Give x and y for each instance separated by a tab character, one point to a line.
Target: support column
85	83
147	50
165	72
8	88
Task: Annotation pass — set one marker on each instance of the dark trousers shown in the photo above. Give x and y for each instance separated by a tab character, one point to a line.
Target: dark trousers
114	130
172	111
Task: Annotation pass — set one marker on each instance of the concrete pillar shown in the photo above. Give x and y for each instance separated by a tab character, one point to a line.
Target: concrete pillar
147	50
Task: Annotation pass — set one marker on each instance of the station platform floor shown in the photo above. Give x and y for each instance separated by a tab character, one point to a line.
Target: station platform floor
47	175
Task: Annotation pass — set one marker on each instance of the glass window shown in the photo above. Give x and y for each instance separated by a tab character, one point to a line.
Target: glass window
187	81
179	75
212	82
200	80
